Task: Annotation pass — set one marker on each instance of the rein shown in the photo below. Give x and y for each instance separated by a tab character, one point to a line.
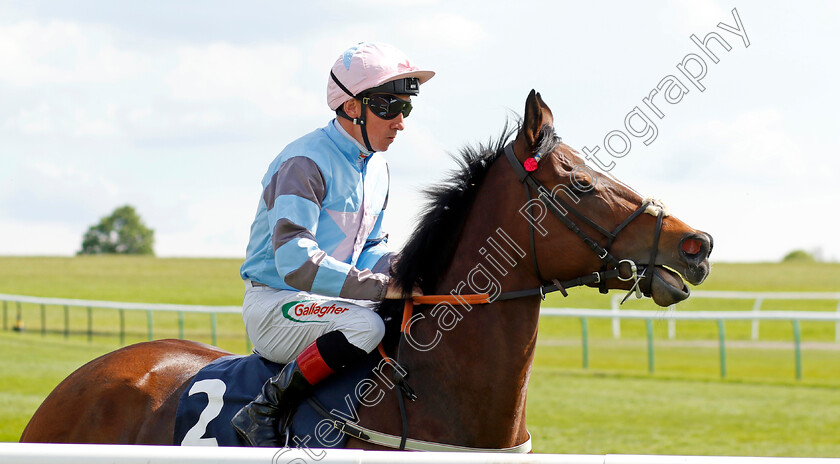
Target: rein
611	268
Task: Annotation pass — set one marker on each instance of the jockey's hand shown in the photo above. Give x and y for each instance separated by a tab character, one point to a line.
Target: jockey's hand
394	292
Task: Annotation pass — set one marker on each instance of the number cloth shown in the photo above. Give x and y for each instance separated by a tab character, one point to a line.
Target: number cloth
233	381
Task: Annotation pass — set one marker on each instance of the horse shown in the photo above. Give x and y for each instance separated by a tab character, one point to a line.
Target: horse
469	364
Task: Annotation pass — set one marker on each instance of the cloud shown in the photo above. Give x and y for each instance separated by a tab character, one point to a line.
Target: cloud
44	191
217	221
58	76
403	3
49	118
748	181
153	106
58	52
48	238
447	31
90	81
753	146
263	75
693	16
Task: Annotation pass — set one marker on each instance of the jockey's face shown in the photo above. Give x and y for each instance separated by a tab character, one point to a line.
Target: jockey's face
381	132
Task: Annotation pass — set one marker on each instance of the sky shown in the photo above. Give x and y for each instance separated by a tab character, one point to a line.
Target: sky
177	108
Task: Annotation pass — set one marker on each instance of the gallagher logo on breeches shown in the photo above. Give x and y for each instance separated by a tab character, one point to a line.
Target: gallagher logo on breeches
301	308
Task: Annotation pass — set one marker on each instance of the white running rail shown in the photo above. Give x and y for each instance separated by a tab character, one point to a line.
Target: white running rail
39	453
757	297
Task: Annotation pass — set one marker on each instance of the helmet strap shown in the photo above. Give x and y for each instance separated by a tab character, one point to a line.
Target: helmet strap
364	130
360	121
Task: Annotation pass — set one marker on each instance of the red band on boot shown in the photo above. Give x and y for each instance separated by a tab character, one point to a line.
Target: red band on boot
312	364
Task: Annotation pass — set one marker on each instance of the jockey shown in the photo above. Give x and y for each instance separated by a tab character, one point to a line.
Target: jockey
317	257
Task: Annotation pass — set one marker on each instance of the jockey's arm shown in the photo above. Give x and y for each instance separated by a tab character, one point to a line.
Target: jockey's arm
299	260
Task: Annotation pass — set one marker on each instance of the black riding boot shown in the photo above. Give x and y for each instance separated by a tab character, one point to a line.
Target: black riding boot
261	422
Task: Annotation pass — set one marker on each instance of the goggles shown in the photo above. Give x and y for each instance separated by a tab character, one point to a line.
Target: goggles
387	106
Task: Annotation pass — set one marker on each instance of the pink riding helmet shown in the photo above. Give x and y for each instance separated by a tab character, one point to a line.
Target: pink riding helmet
368	65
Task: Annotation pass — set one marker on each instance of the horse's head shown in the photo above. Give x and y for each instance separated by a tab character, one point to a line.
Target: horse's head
625	229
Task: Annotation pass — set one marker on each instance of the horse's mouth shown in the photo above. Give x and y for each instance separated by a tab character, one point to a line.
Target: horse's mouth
667	287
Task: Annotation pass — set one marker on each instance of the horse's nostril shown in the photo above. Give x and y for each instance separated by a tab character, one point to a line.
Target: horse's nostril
691	246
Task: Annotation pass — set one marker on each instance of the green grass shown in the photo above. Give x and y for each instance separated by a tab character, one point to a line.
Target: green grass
31	367
125	278
585	414
615	406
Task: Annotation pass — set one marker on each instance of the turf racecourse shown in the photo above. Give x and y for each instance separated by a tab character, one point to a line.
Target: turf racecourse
615	406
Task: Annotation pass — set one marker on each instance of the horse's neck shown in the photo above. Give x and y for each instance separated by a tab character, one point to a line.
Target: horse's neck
473	382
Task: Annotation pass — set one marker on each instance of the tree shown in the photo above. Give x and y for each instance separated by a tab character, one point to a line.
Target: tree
801	256
122	232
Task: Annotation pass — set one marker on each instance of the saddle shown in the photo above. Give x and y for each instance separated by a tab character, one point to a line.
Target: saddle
226	385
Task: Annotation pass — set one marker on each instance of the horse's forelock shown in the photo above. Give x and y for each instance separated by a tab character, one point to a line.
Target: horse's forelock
548	140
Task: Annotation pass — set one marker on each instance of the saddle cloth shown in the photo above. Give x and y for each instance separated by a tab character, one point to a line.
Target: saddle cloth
223	387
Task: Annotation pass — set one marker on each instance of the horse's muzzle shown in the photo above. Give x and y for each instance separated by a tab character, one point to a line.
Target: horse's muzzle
695	249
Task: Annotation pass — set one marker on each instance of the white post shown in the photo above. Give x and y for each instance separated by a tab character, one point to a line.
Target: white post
837	326
672	324
756	309
616	322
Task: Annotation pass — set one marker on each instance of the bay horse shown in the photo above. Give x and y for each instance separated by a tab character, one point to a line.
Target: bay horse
482	232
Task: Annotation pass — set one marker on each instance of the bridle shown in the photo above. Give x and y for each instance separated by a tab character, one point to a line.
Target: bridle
611	268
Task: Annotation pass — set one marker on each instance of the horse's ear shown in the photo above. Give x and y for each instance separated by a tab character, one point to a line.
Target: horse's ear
537	115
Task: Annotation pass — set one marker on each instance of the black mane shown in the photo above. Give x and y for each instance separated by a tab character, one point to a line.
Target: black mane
427	253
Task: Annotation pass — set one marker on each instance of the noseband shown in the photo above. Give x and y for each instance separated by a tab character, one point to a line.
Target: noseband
612	267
